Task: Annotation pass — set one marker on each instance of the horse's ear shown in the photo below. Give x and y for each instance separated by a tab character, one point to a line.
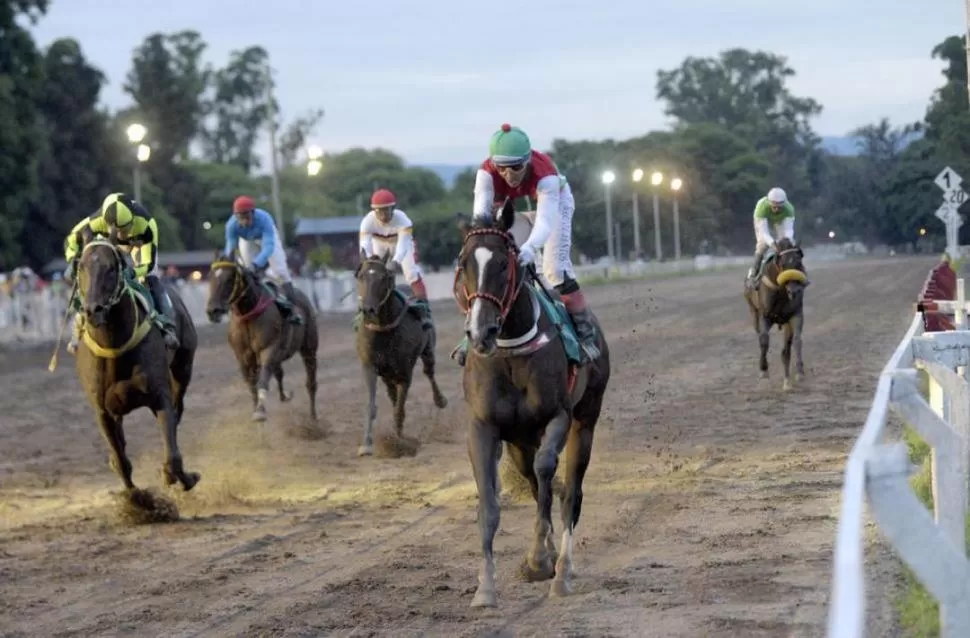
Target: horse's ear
506	218
386	258
363	255
463	223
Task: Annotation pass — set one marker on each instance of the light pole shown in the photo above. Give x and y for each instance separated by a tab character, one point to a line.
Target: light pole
313	165
275	177
675	185
656	179
608	178
136	133
637	176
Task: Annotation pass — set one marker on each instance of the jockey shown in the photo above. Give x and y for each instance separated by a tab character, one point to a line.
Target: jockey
387	228
774	218
129	224
254	230
513	169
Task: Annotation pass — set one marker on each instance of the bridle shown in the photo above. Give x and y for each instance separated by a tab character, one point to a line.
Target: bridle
239	284
376	327
511	290
119	265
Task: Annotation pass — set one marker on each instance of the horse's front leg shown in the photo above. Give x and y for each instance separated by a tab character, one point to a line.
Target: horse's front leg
484	447
168	425
370	413
763	338
268	361
786	356
400	404
114	436
540	563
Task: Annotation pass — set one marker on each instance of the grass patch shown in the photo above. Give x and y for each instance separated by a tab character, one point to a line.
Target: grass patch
919	612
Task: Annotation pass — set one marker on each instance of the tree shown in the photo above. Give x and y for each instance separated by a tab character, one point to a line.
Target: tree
167	82
240	108
21	139
79	163
296	135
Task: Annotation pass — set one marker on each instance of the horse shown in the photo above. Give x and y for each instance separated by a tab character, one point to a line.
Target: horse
259	336
123	363
778	301
390	340
525	384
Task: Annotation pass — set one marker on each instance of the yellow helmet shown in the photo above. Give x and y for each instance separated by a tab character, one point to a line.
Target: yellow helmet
117	210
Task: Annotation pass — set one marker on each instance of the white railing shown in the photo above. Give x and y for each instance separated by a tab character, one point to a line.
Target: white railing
37	316
932	545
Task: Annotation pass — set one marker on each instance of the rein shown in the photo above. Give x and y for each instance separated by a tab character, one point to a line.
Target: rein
239	289
121	290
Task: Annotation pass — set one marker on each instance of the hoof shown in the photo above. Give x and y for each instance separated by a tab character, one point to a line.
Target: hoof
365	450
484	598
259	414
440	401
286	395
190	480
799	376
560	588
764	374
786	385
537	573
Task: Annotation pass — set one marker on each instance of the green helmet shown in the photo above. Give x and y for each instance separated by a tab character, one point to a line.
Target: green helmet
509	145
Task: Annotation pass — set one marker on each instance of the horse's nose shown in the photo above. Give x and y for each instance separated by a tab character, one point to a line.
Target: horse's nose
370	309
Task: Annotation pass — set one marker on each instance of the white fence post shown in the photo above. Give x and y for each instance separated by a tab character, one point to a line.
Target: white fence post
932	545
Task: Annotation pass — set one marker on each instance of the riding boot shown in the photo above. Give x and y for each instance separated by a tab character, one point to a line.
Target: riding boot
575	303
164	313
420	294
286	305
752	278
76	333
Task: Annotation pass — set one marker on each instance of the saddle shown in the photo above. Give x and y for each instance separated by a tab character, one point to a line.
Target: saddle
560	317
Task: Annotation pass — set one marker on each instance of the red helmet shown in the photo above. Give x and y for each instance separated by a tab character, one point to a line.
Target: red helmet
382	198
242	204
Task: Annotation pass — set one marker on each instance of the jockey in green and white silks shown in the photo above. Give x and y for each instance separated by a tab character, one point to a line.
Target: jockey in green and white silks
514	169
774	218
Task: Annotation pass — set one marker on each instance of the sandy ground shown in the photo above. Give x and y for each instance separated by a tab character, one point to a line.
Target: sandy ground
709	508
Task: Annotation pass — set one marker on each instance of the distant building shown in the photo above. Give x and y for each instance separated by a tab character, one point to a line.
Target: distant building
340	233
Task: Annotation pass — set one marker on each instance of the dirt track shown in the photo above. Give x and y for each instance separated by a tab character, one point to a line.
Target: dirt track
709	506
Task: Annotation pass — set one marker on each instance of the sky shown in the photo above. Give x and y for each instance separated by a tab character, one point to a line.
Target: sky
432	80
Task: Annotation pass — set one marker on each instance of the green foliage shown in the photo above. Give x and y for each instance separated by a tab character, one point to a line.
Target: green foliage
738	130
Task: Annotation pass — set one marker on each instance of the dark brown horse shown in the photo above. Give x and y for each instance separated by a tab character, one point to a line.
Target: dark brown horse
389	342
259	335
777	300
122	360
523	387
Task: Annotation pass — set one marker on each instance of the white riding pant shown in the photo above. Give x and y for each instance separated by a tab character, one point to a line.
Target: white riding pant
557	261
277	268
387	245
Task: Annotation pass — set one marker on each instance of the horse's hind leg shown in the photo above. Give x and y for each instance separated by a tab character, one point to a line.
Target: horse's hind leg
798	321
579	447
428	363
483	452
401	399
284	395
310	365
786	355
540	563
114	435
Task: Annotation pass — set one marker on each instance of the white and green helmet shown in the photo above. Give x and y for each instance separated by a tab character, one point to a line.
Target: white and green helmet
509	146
